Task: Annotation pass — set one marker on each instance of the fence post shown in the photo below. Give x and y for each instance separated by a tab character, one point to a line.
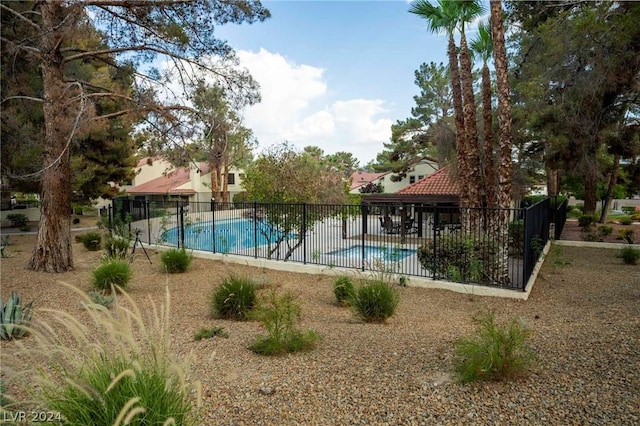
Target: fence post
213	224
363	214
255	229
525	250
304	233
109	214
148	207
434	231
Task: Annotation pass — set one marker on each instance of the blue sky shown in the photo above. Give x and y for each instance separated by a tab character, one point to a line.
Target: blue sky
335	74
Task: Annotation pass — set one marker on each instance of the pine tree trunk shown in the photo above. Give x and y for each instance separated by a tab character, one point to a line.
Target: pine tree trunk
552	181
613	179
52	252
590	188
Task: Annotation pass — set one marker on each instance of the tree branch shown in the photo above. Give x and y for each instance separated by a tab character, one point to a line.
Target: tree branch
20	16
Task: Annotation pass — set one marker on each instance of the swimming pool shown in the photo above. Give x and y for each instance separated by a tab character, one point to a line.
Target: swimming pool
231	235
392	254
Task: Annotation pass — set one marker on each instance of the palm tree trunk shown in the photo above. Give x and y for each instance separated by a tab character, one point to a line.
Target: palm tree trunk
487	115
456	90
505	137
469	111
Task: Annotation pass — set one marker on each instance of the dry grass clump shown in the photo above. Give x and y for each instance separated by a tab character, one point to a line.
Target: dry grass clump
125	373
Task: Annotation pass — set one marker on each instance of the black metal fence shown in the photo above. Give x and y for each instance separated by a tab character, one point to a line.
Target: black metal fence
494	247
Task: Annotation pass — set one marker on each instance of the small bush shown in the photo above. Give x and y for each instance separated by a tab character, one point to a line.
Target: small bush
207	333
630	255
375	301
100	299
494	352
91	241
625	234
117	247
128	374
18	220
516	237
75	221
175	260
625	220
279	316
586	221
471	259
628	209
343	290
112	272
234	298
605	230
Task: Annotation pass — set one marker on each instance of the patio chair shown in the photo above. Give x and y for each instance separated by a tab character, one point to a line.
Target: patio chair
389	226
410	226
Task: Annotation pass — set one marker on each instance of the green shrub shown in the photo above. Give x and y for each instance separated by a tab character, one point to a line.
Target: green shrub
630	255
234	298
14	318
18	220
625	220
516	237
128	374
91	240
586	221
625	234
374	301
605	230
628	209
117	247
207	333
494	352
279	315
112	272
343	290
635	216
471	259
175	260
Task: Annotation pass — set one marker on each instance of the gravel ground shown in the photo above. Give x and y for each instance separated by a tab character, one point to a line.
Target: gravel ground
584	311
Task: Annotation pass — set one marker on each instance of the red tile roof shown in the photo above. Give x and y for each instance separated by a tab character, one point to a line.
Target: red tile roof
363	178
169	183
438	183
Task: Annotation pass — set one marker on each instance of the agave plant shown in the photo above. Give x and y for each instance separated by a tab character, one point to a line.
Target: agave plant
14	318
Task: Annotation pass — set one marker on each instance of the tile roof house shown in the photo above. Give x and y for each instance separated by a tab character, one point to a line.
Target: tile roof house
438	188
419	170
157	179
439	183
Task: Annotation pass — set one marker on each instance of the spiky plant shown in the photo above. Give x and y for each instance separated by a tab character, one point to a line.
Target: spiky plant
14	318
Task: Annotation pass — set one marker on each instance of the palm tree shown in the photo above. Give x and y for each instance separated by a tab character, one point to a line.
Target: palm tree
444	17
467	11
482	45
505	135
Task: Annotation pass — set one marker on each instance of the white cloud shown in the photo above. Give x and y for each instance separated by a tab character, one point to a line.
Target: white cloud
288	111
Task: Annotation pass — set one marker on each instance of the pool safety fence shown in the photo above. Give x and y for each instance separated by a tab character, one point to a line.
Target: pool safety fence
493	247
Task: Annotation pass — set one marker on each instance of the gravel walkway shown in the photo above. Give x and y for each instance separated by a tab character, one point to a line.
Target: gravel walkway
585	318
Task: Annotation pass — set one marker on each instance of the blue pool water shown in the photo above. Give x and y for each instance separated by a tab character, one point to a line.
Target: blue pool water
230	235
380	252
